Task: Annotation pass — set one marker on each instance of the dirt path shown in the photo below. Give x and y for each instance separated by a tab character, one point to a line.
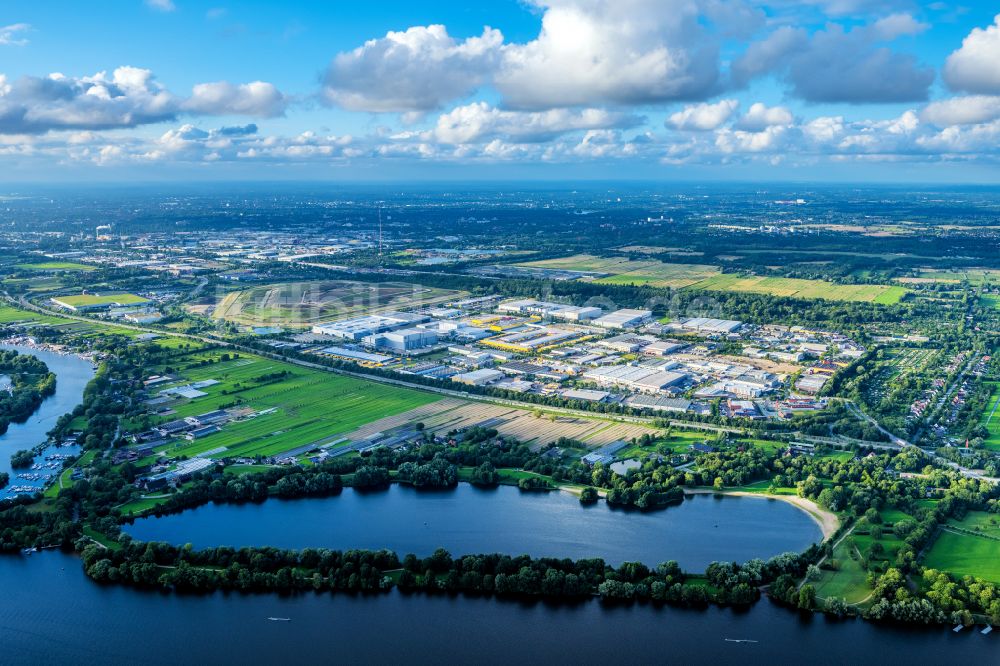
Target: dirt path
827	521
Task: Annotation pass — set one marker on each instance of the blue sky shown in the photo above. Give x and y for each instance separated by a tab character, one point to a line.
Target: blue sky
555	89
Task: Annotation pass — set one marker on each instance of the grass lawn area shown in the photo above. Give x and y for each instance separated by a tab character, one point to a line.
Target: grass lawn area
987	524
62	481
56	266
848	582
101	539
963	554
101	299
141	505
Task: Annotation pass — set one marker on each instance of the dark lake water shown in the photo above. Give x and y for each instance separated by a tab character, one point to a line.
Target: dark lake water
72	376
51	613
471	520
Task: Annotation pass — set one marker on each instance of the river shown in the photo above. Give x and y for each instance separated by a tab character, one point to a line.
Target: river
72	376
468	519
51	613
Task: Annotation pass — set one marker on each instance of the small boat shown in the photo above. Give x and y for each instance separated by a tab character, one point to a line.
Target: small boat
987	629
740	640
279	619
958	628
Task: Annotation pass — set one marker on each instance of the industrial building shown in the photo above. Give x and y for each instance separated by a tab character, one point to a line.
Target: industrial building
627	343
710	326
532	339
358	328
356	355
605	454
624	318
478	377
658	403
403	340
588	395
647	380
553	310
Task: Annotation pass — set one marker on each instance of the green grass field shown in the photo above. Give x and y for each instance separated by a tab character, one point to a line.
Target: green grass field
808	289
83	300
306	406
46	266
966	554
622	271
10	315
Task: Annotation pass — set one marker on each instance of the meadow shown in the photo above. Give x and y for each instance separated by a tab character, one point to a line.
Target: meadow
968	547
807	289
622	271
300	407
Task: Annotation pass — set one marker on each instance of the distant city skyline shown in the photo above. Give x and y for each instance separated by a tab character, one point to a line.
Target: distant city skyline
659	90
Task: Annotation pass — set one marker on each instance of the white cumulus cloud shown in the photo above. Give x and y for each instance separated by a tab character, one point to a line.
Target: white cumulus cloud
703	117
259	99
975	67
760	117
127	97
419	69
479	122
968	110
617	52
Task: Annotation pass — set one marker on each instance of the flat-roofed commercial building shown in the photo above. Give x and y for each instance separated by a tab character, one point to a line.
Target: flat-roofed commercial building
358	328
403	340
626	318
478	377
647	380
554	310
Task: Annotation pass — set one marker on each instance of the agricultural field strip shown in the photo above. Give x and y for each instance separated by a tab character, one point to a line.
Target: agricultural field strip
710	278
310	406
450	414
